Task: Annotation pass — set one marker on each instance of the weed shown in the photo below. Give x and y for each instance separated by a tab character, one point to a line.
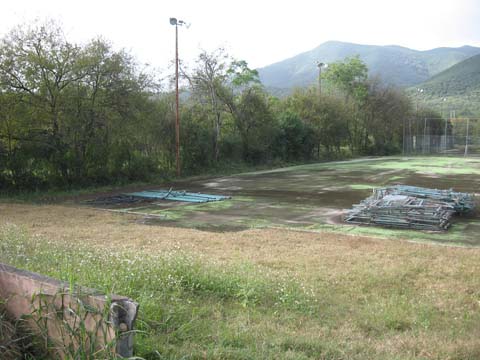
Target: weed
171	278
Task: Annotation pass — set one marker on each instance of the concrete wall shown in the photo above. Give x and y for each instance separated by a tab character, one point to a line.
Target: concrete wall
59	312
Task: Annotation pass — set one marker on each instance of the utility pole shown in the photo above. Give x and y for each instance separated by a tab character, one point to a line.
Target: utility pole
466	139
320	65
419	92
446	124
176	23
425	136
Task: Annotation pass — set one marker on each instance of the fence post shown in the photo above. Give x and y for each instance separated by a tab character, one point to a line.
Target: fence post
424	136
466	139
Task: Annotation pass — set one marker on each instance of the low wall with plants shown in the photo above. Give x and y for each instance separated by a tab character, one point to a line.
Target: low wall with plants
72	322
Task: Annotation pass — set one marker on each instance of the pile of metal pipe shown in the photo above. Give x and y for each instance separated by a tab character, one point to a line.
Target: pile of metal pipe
462	203
178	196
411	207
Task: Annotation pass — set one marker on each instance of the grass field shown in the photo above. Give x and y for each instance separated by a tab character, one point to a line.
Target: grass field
209	290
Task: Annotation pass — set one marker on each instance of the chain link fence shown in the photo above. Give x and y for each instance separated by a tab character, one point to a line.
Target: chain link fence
453	136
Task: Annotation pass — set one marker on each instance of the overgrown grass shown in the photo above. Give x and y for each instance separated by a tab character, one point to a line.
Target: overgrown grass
10	349
174	289
192	307
175	272
16	341
54	195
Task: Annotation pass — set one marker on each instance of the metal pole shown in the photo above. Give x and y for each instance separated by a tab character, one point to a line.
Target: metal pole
425	136
445	140
410	137
403	138
414	145
177	112
320	64
419	92
445	132
466	140
319	80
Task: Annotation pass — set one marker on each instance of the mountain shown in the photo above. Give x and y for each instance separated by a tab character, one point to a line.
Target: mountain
396	65
459	85
460	79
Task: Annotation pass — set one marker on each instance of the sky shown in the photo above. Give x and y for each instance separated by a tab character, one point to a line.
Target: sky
260	32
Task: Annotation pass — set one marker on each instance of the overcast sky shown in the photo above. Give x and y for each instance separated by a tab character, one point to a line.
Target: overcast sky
260	32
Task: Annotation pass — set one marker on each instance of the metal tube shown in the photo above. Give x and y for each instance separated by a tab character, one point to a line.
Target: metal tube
425	136
466	139
445	140
445	132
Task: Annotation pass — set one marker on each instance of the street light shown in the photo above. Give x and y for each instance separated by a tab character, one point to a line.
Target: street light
320	65
177	23
419	92
446	125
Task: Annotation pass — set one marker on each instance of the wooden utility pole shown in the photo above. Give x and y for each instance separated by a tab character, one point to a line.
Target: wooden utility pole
177	110
176	23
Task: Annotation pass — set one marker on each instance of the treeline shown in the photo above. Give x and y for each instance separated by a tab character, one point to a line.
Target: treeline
74	115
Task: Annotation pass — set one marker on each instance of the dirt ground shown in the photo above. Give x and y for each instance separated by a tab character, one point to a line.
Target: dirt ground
313	197
263	207
278	248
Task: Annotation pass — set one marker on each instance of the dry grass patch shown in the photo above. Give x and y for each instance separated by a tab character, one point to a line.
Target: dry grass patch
273	293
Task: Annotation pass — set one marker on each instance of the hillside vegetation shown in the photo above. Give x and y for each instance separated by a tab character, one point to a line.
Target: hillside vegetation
395	65
459	85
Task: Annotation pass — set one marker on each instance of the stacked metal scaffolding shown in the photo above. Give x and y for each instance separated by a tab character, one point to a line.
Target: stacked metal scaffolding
154	195
411	207
178	196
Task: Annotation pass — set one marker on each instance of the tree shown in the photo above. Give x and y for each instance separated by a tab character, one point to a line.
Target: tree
326	117
350	77
103	108
208	80
40	63
73	114
248	105
296	139
386	110
255	123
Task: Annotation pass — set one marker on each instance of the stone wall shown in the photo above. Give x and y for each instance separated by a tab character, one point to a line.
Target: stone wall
68	317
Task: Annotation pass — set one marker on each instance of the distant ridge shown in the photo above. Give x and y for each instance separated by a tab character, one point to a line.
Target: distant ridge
460	79
459	85
395	64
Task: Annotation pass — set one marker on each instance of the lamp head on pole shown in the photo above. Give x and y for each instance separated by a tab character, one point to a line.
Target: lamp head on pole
176	22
